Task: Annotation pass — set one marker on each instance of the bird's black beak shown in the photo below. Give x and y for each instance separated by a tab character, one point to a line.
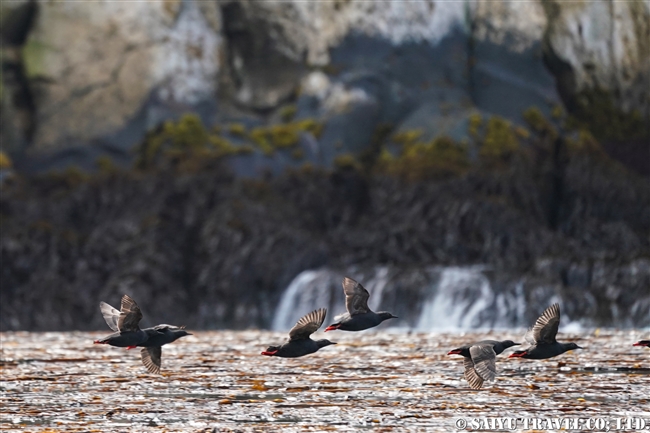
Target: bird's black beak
578	347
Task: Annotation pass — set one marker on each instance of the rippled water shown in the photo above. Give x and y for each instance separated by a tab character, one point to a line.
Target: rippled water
381	381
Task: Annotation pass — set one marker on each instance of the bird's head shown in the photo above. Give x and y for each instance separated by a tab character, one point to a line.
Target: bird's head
572	346
323	343
509	343
271	350
385	315
177	332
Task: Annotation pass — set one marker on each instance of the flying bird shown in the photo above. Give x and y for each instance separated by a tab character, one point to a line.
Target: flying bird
480	360
359	316
300	342
542	337
128	334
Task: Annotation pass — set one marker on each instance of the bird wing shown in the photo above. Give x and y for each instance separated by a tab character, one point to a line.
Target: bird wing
545	328
164	327
151	358
341	317
474	380
484	359
356	297
111	315
308	324
130	315
530	339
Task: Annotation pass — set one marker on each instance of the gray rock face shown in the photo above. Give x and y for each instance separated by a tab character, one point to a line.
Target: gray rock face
264	70
508	74
606	45
93	66
429	65
107	72
312	29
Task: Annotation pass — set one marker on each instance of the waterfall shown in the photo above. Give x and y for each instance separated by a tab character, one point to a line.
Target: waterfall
457	300
435	298
307	292
430	299
315	289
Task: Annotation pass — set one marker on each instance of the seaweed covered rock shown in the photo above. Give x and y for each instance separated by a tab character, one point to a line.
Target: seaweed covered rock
221	249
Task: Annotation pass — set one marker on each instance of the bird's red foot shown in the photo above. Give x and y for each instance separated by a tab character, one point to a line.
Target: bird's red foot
99	342
269	353
131	347
332	328
518	354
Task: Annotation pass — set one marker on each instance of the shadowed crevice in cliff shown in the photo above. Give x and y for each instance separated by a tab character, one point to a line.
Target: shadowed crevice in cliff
565	80
262	72
19	109
557	186
18	22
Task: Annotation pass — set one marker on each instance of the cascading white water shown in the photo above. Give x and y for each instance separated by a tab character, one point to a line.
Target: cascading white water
452	298
309	291
435	298
460	296
315	289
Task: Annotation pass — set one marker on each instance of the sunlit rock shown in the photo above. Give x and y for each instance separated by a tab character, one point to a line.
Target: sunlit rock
93	66
603	45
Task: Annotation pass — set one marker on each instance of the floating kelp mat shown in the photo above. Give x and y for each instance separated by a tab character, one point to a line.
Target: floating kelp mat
380	380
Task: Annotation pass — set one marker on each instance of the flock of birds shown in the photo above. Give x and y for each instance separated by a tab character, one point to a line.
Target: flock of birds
479	358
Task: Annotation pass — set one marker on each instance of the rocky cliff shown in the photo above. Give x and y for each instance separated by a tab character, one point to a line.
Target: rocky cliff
82	80
201	155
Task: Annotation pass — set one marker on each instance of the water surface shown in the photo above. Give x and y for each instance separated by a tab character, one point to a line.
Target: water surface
383	381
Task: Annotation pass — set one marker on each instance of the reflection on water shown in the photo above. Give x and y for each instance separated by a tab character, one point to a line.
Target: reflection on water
394	381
